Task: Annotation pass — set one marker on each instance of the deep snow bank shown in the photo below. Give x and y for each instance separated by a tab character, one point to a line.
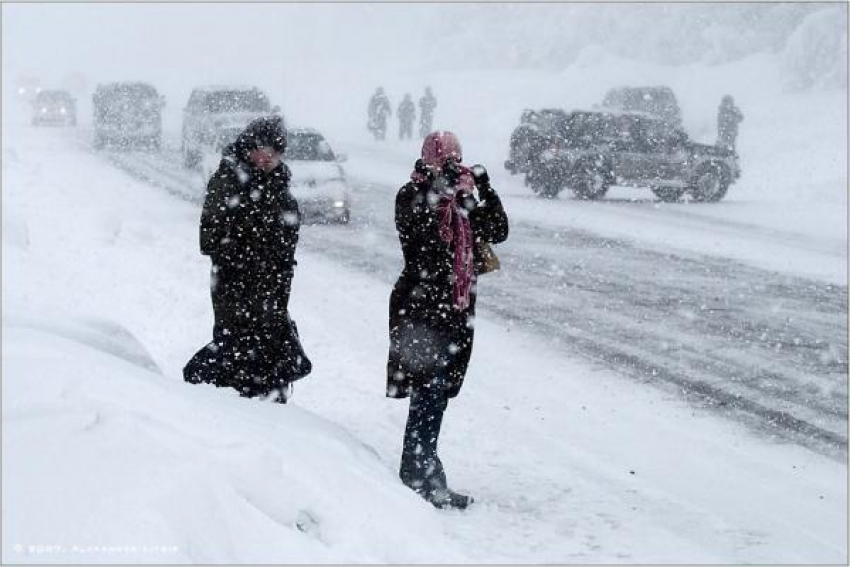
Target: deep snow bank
110	462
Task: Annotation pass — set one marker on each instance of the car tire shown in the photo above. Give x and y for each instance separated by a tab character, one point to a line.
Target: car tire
344	218
590	182
545	187
668	194
710	183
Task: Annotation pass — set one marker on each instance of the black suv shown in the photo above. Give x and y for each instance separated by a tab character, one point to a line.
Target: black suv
212	110
127	114
659	101
54	107
594	150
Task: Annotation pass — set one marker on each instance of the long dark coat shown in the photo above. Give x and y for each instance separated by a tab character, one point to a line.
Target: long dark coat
426	331
249	228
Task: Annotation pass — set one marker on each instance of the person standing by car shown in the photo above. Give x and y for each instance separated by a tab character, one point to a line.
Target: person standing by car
379	112
249	229
728	118
406	116
440	224
427	105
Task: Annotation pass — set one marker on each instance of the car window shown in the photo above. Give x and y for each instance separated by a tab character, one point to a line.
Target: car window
660	102
307	147
195	101
236	101
53	97
659	135
597	128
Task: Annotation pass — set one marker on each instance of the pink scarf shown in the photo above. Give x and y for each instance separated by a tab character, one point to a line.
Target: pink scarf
455	228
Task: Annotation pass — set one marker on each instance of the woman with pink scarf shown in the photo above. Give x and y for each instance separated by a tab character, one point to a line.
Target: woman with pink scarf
440	223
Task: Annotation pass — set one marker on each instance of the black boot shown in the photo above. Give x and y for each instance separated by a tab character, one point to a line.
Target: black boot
447	498
421	469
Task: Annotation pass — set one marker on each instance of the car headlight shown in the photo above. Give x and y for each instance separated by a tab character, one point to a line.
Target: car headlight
44	111
339	204
62	110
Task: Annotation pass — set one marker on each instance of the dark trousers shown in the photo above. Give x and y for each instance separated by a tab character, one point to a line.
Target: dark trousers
421	468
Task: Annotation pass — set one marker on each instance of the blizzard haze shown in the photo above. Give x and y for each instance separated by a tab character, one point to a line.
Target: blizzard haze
321	62
652	382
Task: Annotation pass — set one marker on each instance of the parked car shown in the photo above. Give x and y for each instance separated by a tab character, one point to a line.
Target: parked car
659	101
127	114
535	129
28	86
318	181
215	108
54	107
596	150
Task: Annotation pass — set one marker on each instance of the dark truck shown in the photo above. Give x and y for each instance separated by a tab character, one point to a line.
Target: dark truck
127	114
593	150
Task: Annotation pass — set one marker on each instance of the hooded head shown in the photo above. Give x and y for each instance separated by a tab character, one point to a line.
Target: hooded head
439	147
268	131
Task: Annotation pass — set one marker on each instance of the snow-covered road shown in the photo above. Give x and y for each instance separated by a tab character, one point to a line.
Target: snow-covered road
753	344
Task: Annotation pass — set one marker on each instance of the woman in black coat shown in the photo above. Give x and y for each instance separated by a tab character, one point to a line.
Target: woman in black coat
440	224
249	229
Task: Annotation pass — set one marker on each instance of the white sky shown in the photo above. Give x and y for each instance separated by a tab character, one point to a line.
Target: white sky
155	41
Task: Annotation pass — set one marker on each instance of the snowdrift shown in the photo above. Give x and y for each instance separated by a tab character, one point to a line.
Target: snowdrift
110	461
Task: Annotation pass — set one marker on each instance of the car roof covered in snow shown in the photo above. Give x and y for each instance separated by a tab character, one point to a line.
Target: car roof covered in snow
303	130
135	86
228	88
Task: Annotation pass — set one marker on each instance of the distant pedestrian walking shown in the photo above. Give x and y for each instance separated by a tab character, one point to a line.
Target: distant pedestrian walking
427	105
406	115
379	112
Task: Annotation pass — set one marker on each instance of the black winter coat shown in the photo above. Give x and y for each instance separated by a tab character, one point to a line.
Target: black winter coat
426	331
729	117
249	228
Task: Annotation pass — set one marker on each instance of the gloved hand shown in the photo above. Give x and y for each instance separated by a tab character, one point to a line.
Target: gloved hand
451	172
482	181
420	168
